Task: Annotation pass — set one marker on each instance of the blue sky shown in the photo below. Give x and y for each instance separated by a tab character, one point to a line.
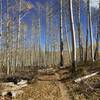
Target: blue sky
28	18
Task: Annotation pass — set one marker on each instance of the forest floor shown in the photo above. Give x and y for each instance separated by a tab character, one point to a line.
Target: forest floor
60	86
42	90
88	89
47	87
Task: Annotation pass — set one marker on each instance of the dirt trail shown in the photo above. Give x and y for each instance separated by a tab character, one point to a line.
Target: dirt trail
48	88
63	89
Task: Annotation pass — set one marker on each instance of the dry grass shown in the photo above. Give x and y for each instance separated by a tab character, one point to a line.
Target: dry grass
44	90
82	90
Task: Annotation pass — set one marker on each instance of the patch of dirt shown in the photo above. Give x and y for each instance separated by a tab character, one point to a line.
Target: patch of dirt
62	87
41	90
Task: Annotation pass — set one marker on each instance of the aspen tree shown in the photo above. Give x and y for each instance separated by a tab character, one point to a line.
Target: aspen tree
79	33
73	37
1	56
96	55
91	33
86	51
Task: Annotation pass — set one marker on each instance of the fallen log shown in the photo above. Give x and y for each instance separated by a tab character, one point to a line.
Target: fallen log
48	71
12	88
85	77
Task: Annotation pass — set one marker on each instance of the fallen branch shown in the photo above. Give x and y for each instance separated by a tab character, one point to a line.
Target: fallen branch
85	77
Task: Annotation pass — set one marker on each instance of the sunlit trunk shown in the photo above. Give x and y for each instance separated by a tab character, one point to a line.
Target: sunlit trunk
73	37
91	33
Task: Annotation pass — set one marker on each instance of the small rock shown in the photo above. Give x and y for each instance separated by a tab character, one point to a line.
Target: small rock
22	82
4	93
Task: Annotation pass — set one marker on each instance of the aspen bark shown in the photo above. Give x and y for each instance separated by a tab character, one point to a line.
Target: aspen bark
96	55
91	34
79	34
73	37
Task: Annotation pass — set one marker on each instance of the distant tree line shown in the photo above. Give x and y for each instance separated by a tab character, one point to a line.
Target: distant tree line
62	32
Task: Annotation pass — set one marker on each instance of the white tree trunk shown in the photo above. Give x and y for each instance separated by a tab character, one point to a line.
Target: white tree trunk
73	35
85	77
91	34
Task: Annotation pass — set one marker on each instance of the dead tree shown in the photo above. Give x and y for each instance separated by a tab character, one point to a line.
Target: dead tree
61	33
